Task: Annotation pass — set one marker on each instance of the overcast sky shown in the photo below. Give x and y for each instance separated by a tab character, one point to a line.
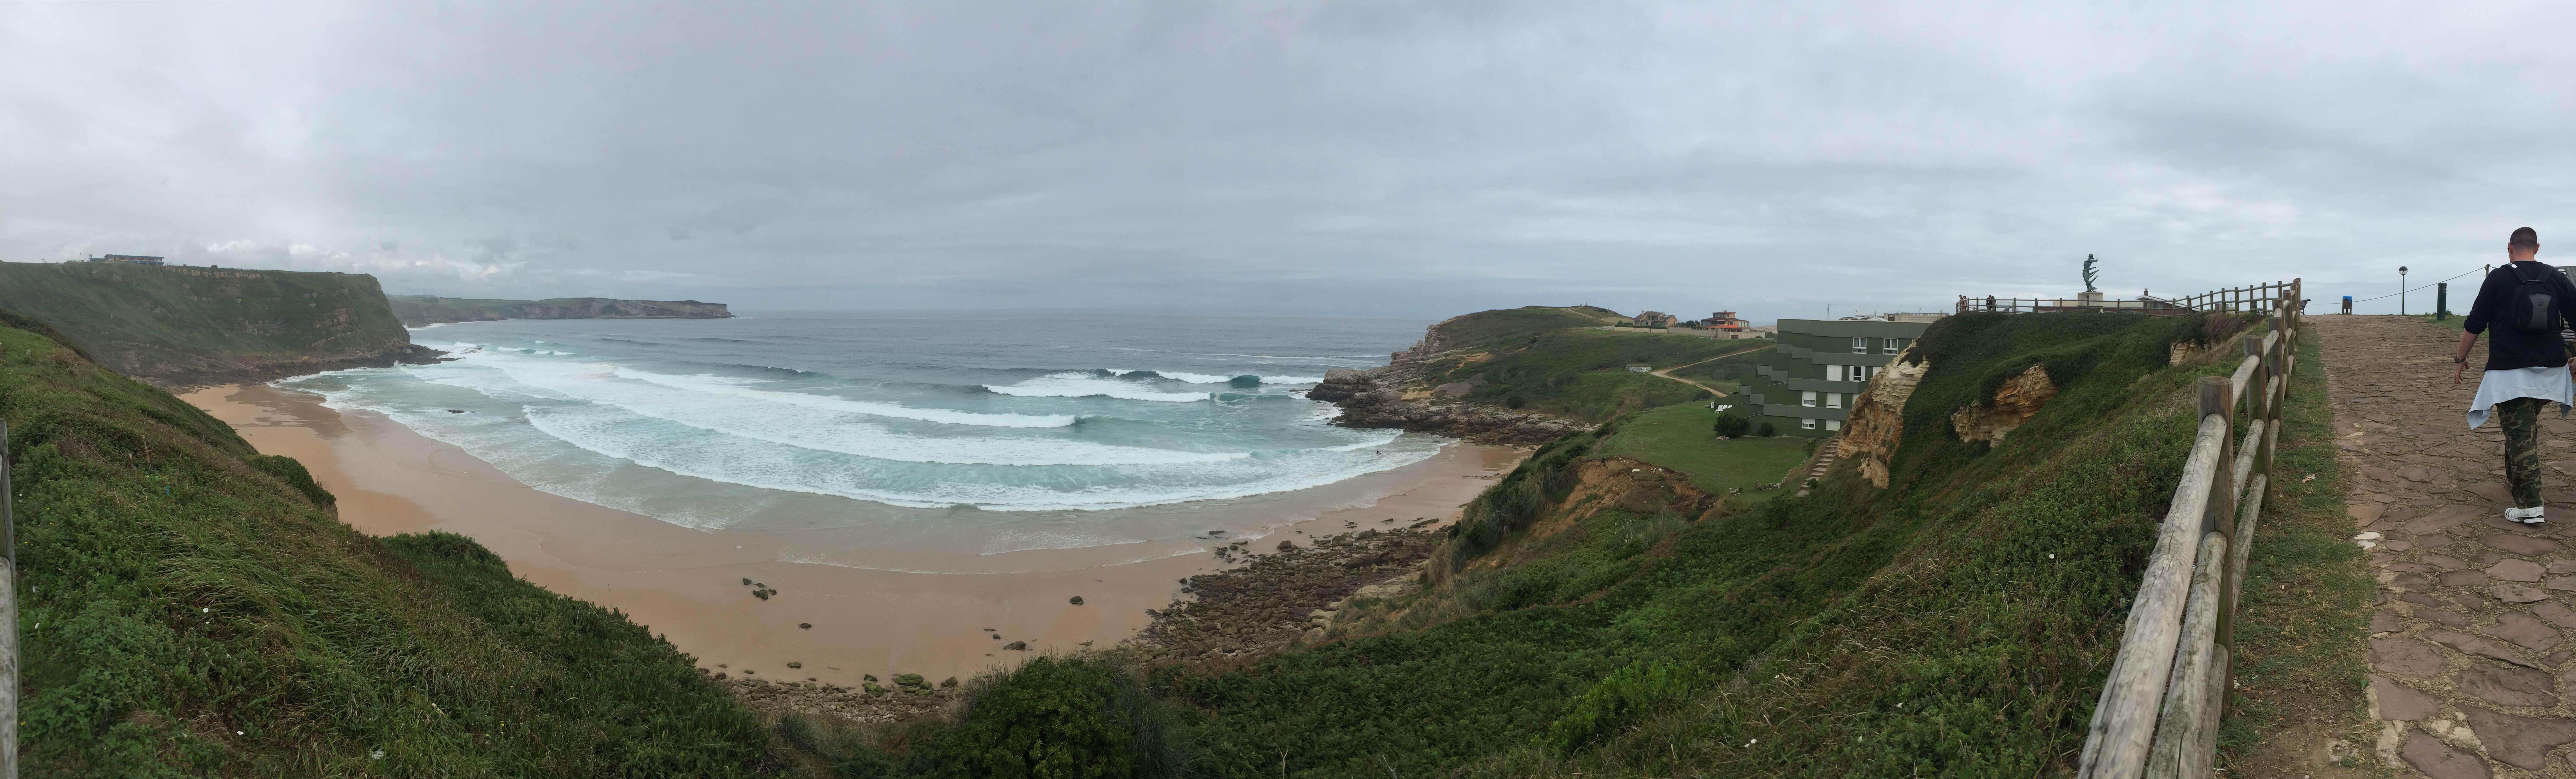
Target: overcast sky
1400	159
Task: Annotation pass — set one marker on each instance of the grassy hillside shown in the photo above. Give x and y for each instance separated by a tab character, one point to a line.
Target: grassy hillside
185	325
1485	329
418	310
1581	372
1593	616
1681	437
192	607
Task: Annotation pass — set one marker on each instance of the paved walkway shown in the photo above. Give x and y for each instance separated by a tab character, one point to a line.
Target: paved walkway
2468	663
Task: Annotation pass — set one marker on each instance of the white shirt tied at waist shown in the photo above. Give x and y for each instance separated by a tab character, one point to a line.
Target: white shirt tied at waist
2544	382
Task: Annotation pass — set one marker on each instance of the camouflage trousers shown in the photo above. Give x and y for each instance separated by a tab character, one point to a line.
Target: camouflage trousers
2521	420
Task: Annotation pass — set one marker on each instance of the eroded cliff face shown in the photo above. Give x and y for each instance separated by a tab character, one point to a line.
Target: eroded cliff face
180	326
1377	398
1877	422
2014	403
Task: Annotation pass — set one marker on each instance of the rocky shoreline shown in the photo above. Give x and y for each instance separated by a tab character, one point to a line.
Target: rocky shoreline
1281	598
1378	398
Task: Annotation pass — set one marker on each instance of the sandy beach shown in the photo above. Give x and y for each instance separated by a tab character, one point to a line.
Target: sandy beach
686	583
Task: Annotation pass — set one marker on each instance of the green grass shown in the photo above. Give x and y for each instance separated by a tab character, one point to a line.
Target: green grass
1583	373
191	607
1681	437
2303	627
182	323
1505	325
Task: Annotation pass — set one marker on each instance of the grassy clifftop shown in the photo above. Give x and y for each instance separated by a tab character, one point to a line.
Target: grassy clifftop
182	325
191	607
1554	360
418	310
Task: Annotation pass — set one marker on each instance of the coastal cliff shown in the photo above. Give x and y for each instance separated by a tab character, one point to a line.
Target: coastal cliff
418	310
178	326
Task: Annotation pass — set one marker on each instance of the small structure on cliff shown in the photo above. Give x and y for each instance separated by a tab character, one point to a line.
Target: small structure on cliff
131	259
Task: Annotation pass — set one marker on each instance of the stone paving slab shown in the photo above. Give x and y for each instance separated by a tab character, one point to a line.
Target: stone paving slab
2469	655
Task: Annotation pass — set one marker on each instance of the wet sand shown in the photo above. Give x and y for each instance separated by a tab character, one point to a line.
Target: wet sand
686	583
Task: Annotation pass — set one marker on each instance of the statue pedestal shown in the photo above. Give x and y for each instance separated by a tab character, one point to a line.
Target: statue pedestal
2088	298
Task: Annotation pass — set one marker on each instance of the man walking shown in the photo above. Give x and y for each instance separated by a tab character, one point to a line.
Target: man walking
2527	367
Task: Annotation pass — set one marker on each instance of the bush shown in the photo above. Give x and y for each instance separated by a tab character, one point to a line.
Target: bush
1767	430
1515	401
1730	425
1083	716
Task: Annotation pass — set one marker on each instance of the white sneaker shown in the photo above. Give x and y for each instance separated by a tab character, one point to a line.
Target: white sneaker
2529	516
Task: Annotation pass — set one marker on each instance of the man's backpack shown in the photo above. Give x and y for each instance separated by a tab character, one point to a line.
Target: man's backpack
2534	305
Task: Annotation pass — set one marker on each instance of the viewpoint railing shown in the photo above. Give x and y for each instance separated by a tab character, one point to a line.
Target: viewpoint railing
2257	297
2158	714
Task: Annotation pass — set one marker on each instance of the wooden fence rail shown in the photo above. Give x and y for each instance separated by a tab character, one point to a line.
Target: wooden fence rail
2158	714
2256	297
8	616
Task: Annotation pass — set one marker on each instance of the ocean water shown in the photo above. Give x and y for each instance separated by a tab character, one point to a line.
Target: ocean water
717	423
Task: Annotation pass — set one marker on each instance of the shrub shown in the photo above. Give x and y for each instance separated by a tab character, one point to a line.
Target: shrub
1730	425
1083	716
1515	401
1767	430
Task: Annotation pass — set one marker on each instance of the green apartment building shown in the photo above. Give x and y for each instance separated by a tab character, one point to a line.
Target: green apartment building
1805	386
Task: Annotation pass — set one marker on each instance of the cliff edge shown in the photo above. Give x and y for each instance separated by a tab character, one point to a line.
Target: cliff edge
178	326
418	310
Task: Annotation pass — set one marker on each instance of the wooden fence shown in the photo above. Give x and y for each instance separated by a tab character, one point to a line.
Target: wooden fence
2257	297
2158	714
8	617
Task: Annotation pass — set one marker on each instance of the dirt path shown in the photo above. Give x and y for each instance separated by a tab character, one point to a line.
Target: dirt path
2467	660
1668	372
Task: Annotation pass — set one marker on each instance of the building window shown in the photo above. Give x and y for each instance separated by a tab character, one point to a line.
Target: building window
1833	424
1860	346
1861	372
1887	346
1807	399
1806	424
1833	400
1833	373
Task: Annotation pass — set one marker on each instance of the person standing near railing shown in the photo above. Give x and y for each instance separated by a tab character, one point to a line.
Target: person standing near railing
2527	367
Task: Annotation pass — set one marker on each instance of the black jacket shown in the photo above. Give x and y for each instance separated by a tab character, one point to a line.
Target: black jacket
2512	347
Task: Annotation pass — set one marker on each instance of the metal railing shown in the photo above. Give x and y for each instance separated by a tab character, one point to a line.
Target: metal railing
2158	714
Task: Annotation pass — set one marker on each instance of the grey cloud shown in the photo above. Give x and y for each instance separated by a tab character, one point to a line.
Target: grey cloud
1398	159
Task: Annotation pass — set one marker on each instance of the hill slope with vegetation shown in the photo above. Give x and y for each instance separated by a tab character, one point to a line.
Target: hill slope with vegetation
190	607
1486	376
419	310
1599	611
182	326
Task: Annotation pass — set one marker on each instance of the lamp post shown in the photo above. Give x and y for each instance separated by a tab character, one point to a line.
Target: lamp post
2401	290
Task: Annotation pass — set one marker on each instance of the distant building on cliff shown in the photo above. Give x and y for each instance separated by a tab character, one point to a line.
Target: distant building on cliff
1654	319
1805	386
135	259
1726	326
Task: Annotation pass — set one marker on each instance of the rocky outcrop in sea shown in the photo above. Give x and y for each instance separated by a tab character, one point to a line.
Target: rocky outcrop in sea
1387	397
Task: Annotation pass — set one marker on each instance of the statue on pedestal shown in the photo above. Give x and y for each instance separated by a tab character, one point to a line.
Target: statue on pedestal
2089	273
